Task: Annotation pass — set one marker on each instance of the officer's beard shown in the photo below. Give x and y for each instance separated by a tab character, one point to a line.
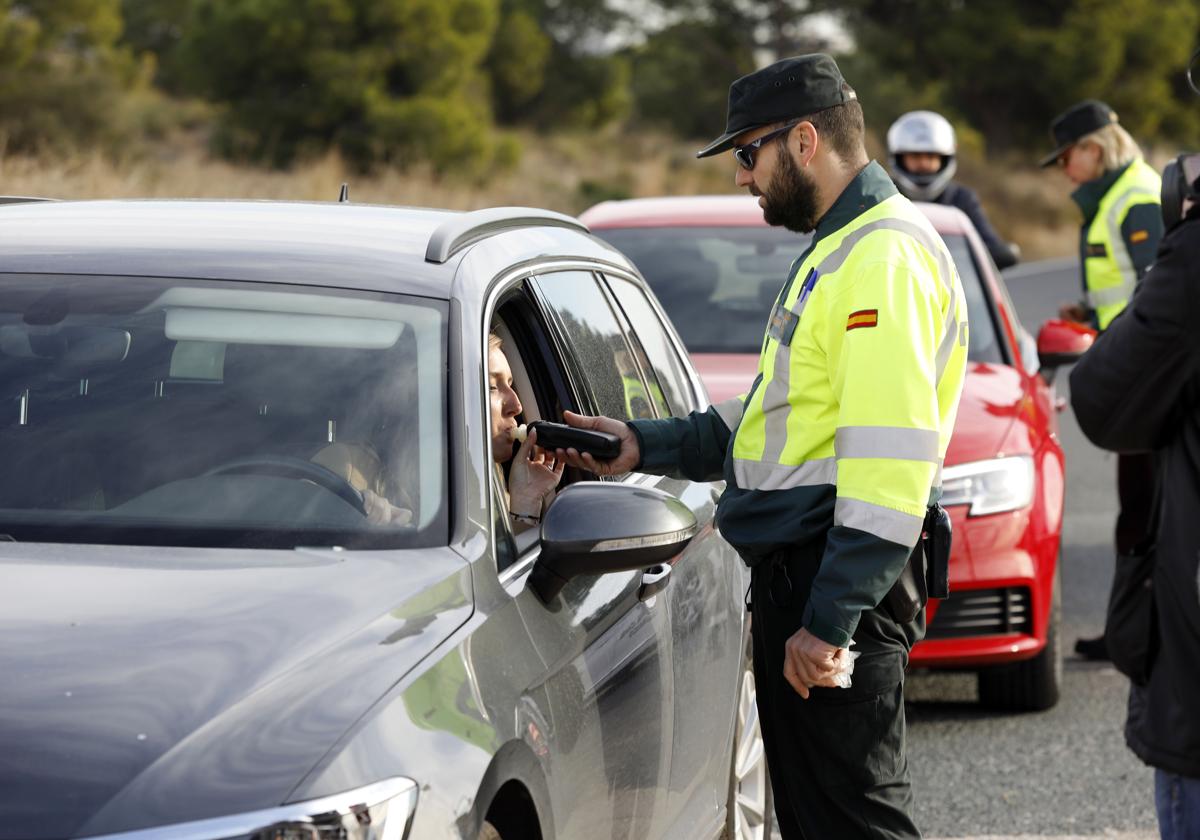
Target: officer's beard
791	201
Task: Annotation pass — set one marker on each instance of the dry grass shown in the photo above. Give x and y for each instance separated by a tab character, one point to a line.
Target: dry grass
566	172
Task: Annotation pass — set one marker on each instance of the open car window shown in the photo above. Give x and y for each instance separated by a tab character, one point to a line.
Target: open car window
169	412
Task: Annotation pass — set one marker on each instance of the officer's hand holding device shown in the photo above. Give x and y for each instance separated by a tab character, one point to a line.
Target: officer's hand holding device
601	445
628	455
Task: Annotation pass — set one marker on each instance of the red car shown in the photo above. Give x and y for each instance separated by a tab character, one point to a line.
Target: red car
717	268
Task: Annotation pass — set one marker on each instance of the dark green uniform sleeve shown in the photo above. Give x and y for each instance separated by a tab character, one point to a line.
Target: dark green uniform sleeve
1142	230
856	573
691	447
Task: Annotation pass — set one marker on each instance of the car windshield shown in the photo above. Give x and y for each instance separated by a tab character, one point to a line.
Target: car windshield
172	412
719	283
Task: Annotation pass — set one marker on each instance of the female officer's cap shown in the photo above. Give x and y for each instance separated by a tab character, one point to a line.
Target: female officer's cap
1075	123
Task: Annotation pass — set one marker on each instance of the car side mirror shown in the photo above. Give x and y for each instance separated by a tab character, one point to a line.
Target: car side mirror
593	528
1062	343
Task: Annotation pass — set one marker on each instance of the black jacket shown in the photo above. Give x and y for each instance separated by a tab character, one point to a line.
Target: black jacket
964	198
1138	389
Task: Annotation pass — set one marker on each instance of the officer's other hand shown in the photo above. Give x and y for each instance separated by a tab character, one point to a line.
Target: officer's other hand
1073	312
626	459
809	661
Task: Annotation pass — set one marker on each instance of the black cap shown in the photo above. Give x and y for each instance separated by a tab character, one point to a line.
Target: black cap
1078	121
790	88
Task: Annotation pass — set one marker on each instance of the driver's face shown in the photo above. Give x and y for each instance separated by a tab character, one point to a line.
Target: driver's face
504	404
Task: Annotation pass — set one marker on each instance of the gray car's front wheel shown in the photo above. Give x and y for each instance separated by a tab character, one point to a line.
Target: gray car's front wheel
750	811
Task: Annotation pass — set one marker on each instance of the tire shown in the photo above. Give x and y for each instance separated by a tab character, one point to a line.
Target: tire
488	832
750	810
1035	684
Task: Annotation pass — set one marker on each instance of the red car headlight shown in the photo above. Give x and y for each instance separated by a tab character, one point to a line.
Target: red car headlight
993	486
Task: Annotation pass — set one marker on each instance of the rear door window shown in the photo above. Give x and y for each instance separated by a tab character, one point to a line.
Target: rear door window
661	362
595	345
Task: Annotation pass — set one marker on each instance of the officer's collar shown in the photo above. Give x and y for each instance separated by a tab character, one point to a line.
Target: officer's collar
871	186
1090	193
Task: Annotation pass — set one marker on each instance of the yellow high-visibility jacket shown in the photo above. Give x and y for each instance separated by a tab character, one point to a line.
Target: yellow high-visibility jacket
1122	226
843	432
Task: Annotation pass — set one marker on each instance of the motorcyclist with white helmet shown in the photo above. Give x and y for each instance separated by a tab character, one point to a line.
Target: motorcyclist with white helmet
921	156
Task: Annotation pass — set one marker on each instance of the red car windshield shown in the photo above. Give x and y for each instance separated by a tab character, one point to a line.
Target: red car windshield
719	283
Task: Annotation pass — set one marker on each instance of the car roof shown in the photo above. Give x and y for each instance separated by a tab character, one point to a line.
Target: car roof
719	211
372	247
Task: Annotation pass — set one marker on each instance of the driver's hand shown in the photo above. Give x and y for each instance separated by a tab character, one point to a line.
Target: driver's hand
382	512
626	459
534	474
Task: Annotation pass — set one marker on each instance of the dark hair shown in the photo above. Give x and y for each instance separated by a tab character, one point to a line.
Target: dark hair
842	126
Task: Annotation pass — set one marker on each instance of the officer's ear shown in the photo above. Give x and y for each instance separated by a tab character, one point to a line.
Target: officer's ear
803	143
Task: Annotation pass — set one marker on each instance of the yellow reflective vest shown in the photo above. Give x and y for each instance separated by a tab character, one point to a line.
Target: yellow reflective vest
1110	274
842	435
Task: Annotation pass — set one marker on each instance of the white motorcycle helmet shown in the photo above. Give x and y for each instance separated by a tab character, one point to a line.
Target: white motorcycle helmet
922	132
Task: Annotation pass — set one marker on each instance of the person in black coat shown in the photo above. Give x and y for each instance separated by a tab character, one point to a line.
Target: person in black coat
1138	390
921	158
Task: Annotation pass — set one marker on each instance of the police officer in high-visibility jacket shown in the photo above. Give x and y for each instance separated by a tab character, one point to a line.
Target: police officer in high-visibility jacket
1119	194
833	457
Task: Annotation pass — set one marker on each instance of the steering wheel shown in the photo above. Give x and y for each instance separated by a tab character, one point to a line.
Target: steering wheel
286	466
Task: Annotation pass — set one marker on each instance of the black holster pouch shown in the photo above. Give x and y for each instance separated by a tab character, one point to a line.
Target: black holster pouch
935	536
927	573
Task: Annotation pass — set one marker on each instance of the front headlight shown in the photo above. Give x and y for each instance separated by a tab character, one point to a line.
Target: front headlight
992	486
382	811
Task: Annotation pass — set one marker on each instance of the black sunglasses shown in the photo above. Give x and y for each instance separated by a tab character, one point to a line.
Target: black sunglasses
745	153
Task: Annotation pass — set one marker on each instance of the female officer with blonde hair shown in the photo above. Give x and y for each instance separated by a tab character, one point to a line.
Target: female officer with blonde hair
1119	194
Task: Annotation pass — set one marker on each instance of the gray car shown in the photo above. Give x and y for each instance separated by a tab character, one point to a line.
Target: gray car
206	631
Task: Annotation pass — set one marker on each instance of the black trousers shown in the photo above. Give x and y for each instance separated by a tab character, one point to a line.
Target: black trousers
836	760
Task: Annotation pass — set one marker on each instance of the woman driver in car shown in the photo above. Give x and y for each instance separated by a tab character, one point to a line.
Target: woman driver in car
533	473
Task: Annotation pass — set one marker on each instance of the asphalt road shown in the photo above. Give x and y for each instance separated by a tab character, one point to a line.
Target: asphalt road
1064	773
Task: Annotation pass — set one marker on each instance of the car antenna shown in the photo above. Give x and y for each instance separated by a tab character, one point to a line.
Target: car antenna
344	194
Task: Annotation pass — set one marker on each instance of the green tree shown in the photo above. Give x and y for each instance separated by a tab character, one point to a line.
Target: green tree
1009	66
584	84
517	62
385	81
63	76
681	75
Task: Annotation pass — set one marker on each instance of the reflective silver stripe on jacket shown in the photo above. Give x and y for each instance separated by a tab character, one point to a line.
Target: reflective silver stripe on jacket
759	475
730	411
886	442
1119	248
883	522
775	406
1113	294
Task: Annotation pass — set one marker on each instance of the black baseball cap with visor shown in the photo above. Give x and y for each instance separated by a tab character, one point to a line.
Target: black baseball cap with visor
786	91
1075	123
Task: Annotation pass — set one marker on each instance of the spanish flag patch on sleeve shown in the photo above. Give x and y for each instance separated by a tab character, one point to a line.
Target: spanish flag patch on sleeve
1139	236
862	318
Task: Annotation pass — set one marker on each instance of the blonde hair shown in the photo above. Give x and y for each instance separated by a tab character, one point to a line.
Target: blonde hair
494	342
1117	148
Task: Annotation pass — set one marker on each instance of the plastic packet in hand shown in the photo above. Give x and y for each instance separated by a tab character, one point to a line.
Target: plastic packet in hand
842	678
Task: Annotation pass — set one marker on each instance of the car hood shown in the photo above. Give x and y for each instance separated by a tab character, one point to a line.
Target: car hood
994	396
147	686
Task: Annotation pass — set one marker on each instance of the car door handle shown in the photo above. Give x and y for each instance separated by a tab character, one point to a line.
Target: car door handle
654	580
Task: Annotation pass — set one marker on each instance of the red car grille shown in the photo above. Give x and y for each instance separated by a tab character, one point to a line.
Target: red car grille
982	612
